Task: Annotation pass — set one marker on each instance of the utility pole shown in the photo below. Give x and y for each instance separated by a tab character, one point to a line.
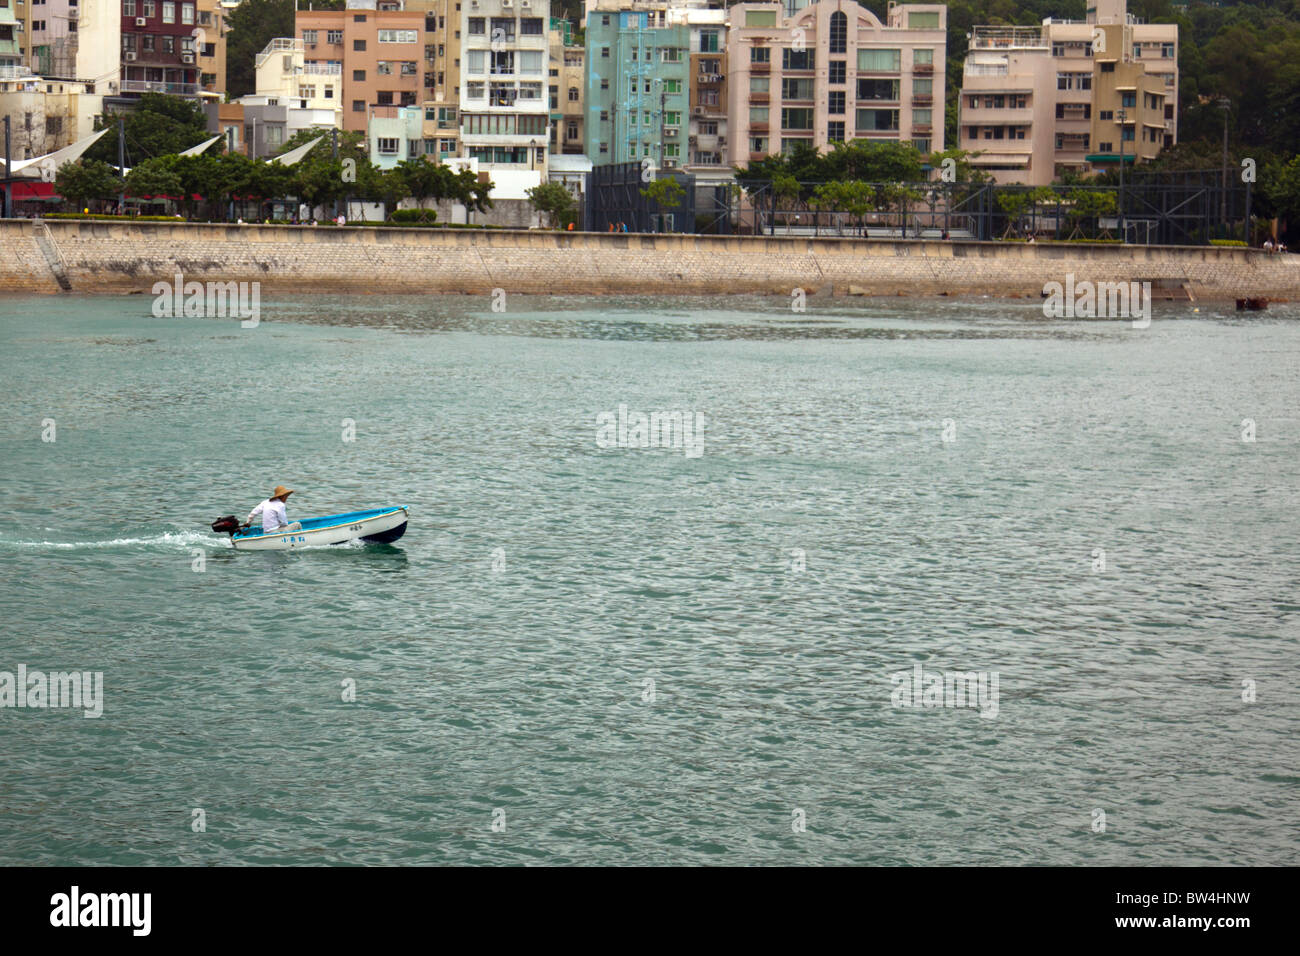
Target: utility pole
121	165
9	178
1123	115
1224	104
335	157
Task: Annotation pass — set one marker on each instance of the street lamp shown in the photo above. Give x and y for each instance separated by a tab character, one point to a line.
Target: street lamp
1224	104
1123	115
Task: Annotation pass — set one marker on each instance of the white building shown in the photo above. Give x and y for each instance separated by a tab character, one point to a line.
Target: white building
505	122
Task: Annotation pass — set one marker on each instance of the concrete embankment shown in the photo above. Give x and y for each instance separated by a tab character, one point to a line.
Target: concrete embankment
119	257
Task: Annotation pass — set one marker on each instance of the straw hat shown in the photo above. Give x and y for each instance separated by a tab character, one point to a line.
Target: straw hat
281	492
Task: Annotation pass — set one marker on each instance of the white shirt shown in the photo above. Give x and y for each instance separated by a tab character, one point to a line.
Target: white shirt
272	512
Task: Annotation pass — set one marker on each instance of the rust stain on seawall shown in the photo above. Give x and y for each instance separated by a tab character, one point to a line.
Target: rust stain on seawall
122	257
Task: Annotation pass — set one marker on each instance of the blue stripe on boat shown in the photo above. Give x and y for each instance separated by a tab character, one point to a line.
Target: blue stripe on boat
315	524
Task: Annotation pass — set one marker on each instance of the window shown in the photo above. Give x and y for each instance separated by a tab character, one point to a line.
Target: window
835	102
604	53
758	114
387	145
670	86
530	62
384	68
758	144
835	131
149	8
573	94
187	13
128	8
169	12
1128	100
878	90
358	106
477	26
836	71
475	91
384	98
923	57
670	54
923	21
922	146
709	41
797	59
674	118
502	62
309	36
571	130
792	118
408	68
530	26
1058	49
921	117
1126	134
796	89
839	32
879	61
147	44
760	84
358	46
169	44
476	62
710	67
333	36
922	86
503	28
398	36
1167	50
760	54
869	120
1108	67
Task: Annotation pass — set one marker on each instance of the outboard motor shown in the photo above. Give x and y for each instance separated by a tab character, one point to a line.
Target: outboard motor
228	524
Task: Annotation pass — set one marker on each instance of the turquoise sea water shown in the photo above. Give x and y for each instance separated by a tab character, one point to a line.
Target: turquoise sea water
503	651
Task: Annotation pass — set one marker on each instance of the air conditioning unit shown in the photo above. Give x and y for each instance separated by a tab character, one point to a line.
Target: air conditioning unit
722	141
671	132
670	164
507	4
141	22
187	57
130	56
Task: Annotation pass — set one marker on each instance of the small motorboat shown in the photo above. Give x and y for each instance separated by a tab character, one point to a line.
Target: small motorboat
377	525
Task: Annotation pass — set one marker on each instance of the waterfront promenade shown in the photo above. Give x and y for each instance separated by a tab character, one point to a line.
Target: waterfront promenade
84	256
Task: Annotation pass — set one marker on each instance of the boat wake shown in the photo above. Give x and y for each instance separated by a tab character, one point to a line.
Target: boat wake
178	540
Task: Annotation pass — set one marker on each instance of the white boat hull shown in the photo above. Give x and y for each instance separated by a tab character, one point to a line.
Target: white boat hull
384	524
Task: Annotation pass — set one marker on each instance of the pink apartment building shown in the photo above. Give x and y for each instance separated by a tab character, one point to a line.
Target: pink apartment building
833	72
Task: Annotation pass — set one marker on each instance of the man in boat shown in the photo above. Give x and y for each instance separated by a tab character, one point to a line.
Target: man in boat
273	514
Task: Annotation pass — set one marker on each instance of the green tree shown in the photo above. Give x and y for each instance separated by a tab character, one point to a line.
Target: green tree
87	180
853	197
553	200
666	193
155	178
252	25
158	126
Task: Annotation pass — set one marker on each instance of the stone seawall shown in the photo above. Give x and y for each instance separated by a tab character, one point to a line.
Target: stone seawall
112	257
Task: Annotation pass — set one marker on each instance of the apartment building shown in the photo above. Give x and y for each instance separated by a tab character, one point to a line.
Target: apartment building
290	94
210	47
505	120
159	54
1067	96
638	83
440	100
567	81
380	55
832	71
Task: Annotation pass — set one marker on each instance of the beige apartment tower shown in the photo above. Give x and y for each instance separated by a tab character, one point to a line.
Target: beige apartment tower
1039	103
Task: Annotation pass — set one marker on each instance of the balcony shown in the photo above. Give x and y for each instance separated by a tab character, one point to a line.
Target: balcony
710	77
922	99
754	98
922	67
148	86
322	69
758	127
760	68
